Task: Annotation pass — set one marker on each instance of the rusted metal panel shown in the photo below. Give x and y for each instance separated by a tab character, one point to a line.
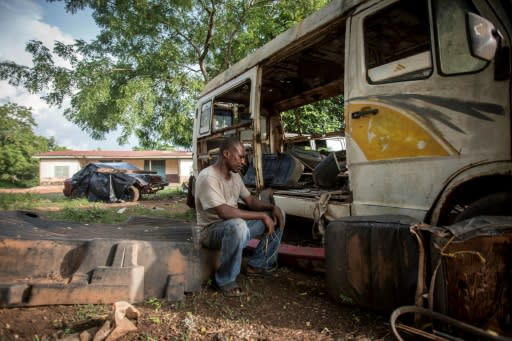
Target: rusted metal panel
473	282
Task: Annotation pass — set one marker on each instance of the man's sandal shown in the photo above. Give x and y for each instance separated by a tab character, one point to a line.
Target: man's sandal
230	290
258	272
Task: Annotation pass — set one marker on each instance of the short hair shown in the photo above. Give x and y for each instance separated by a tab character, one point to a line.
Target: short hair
228	143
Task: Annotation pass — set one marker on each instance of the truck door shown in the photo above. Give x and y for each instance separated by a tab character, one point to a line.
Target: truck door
419	105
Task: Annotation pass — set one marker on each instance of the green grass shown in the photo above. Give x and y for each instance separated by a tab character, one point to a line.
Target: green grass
18	201
167	193
95	214
57	207
23	201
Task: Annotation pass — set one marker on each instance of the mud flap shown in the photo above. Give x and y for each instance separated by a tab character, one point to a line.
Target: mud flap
372	261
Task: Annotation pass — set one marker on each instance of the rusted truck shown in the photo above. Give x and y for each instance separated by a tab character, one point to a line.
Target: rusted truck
426	90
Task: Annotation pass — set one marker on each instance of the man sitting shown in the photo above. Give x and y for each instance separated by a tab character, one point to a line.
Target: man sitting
229	228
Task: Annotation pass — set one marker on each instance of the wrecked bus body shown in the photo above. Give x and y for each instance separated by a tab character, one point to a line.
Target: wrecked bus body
426	123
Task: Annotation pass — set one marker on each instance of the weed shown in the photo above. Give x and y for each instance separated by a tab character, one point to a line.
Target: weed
189	323
68	331
155	303
90	312
346	299
150	338
155	319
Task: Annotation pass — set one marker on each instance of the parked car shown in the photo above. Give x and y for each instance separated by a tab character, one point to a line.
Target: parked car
112	181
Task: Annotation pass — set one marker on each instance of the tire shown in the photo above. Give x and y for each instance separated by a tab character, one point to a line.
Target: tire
190	192
76	194
133	194
496	204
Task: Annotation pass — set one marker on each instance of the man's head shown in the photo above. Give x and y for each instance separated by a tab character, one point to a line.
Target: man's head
232	154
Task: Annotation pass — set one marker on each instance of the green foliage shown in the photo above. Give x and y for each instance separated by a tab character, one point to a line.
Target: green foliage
317	118
145	69
155	303
18	184
346	299
18	144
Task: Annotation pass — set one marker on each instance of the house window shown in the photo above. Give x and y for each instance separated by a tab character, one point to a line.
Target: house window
61	171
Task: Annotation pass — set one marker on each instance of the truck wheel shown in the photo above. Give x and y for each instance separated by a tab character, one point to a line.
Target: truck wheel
76	194
133	194
190	192
494	204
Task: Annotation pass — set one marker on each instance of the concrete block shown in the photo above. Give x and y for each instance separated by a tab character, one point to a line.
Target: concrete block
175	287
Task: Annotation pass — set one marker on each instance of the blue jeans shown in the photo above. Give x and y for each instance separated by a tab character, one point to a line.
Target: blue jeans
231	237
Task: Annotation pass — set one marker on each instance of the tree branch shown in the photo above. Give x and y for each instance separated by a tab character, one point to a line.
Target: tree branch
208	40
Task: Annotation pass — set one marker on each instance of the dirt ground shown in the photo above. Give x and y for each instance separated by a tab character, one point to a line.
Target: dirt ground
292	304
37	189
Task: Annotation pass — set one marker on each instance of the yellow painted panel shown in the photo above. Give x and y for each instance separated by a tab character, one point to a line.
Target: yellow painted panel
391	134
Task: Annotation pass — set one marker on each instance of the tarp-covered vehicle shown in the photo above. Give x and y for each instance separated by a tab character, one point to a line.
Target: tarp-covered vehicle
112	181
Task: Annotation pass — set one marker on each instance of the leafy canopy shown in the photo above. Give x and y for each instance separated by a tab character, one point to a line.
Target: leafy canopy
18	144
144	70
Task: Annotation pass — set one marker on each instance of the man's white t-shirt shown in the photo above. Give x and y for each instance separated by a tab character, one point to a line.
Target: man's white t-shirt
213	190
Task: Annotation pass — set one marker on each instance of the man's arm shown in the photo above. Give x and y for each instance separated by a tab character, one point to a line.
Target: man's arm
257	205
227	212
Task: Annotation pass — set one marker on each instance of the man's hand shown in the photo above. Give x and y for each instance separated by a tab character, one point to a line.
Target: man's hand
278	215
269	223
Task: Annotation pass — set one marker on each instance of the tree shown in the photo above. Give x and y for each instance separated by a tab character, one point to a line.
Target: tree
18	143
318	118
145	69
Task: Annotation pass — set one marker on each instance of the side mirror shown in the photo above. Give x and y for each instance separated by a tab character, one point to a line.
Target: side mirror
483	37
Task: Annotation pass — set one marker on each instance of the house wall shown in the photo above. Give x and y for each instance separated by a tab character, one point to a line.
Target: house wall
177	170
185	170
172	171
136	163
48	170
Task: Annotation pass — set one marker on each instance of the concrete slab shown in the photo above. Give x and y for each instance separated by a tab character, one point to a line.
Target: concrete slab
45	262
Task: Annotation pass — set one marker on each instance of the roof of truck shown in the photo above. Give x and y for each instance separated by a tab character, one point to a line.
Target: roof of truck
330	13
